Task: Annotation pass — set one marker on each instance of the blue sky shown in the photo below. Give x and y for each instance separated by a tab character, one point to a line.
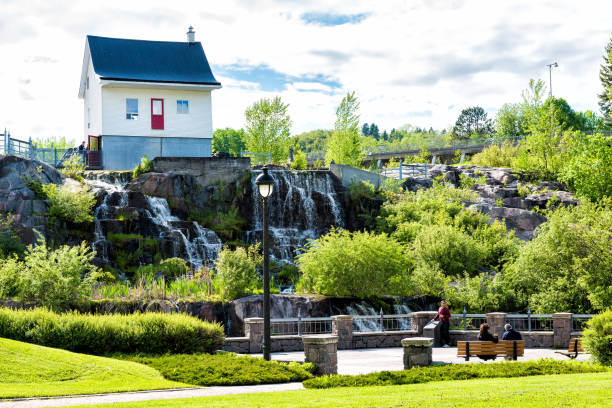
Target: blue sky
417	62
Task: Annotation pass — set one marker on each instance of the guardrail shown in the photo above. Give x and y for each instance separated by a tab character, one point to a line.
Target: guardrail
257	155
579	321
300	326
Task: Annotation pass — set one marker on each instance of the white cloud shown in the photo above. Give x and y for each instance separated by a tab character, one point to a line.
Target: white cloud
408	61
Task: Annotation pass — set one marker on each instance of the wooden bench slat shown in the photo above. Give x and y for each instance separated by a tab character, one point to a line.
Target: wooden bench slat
476	348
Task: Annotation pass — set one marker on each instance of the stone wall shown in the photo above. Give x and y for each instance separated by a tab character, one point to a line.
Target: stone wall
206	170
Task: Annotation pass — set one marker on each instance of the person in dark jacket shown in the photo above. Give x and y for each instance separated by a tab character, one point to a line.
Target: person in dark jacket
510	333
484	335
444	316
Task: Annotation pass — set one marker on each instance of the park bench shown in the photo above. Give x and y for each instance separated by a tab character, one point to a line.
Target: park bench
506	348
574	348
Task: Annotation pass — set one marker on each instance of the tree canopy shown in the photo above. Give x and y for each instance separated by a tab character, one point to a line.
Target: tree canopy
345	143
268	128
605	76
229	140
472	121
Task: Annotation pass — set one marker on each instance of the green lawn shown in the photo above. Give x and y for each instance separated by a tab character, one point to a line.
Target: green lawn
28	370
558	391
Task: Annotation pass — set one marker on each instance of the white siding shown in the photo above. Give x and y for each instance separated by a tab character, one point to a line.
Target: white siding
93	102
196	124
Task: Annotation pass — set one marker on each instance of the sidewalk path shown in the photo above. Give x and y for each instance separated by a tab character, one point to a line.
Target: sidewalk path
361	361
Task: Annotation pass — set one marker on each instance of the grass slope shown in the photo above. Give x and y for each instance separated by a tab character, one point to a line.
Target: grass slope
27	370
558	391
221	369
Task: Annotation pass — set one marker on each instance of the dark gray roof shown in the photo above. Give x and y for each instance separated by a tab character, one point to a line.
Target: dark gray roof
150	61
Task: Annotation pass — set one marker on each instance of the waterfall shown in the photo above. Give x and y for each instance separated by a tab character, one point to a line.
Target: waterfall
302	207
404	322
364	325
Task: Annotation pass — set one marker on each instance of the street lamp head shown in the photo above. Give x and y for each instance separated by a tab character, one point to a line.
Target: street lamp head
555	65
265	182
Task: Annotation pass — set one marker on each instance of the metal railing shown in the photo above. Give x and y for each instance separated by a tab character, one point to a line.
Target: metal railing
405	170
300	326
467	321
382	323
446	144
530	322
257	156
579	321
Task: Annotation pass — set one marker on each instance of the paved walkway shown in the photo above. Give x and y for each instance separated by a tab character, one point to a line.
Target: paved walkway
360	361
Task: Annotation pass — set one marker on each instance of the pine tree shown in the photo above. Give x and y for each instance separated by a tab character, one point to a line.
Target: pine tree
605	76
365	130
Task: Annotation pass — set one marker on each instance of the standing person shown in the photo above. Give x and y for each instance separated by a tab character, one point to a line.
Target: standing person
510	333
484	335
82	147
444	316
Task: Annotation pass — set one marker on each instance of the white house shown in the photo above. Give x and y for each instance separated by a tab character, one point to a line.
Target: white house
146	97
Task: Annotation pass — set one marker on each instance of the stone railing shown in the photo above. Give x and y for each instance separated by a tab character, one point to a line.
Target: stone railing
348	338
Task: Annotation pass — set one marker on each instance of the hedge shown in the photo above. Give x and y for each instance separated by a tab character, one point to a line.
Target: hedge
153	333
453	372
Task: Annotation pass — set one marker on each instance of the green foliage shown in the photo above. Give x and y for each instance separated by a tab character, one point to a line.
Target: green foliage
454	372
69	205
10	243
54	278
598	337
73	167
523	190
28	370
299	161
229	141
36	187
313	141
344	146
221	369
510	121
154	333
145	166
588	169
10	268
237	271
482	293
466	181
568	265
605	76
360	264
54	142
268	128
168	269
472	122
227	224
496	156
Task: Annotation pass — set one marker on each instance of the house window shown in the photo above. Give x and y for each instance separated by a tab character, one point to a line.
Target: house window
182	107
131	109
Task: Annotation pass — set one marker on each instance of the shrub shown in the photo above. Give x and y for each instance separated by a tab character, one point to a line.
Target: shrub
237	271
496	156
222	369
362	264
299	161
10	268
69	205
453	372
598	337
10	243
155	333
54	278
145	166
73	167
481	294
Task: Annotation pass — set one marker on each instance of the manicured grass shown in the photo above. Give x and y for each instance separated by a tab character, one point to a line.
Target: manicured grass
452	372
222	369
27	370
555	391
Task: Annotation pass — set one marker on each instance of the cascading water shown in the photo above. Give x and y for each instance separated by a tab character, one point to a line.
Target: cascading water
364	325
189	240
303	206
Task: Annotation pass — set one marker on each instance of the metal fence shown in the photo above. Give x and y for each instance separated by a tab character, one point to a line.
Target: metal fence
467	321
300	326
446	144
259	157
579	321
530	322
404	170
382	323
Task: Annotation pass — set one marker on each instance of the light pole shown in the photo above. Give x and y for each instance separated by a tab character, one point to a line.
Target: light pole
550	67
265	182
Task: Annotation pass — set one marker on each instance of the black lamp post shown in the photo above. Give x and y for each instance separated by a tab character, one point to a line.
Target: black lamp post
265	182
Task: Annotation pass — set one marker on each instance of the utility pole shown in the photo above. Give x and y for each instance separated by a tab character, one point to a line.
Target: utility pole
550	67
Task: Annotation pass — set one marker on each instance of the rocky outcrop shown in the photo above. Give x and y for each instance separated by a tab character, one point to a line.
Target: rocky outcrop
17	178
503	196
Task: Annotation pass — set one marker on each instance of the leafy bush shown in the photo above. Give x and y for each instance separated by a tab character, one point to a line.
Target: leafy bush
73	167
568	265
299	161
69	205
362	264
156	333
598	337
454	372
168	269
237	271
482	293
10	243
589	167
10	268
145	166
54	278
221	369
496	156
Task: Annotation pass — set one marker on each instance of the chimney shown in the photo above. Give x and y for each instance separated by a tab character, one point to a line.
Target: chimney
190	35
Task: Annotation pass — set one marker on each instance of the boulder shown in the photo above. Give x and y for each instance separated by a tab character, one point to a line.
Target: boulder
523	222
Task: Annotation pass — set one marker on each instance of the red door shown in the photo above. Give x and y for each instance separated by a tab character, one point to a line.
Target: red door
157	113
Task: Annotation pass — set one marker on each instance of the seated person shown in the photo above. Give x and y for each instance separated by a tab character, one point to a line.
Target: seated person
484	335
510	333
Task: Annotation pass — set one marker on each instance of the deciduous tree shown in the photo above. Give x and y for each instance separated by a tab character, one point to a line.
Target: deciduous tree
605	76
472	121
268	128
345	143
